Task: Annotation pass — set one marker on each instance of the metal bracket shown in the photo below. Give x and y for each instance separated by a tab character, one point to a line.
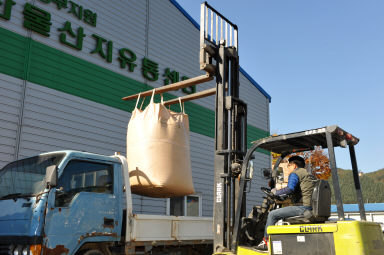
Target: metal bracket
228	102
231	101
224	175
207	53
224	152
232	52
248	180
174	86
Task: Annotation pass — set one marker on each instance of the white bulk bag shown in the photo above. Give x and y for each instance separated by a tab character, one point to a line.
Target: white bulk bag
158	152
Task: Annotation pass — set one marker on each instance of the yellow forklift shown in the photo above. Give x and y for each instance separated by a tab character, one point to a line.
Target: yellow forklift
311	233
234	233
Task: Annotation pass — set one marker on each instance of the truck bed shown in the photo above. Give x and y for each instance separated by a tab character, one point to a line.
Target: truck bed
145	229
160	229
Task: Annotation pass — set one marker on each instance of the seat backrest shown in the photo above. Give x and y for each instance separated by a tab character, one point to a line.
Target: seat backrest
321	199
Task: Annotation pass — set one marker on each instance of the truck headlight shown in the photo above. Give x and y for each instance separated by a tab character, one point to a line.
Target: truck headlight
17	250
25	251
21	250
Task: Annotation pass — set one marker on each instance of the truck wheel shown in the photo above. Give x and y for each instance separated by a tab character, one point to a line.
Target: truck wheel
93	252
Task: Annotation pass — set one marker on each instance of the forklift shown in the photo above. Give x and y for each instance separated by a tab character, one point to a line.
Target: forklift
312	232
234	231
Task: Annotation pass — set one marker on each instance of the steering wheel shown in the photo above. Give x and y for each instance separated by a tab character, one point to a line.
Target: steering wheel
267	192
271	195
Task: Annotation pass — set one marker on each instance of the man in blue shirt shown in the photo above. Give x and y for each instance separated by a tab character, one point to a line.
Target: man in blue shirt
300	187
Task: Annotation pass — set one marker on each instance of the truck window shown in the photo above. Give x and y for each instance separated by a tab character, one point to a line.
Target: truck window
25	177
193	206
185	206
83	176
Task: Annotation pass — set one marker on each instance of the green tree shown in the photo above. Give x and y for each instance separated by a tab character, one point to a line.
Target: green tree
371	186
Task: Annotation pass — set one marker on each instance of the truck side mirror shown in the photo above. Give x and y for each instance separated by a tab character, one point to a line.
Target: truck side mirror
279	170
267	172
250	166
51	176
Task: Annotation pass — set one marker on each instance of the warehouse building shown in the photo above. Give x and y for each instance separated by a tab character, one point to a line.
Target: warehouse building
65	65
373	212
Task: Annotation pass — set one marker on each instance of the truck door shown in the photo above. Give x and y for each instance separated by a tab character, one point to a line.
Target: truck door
85	206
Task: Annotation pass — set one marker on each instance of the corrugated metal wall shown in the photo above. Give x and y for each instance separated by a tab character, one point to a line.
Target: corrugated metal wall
10	95
70	103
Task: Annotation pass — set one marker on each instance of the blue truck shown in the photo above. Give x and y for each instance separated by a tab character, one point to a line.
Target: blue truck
70	202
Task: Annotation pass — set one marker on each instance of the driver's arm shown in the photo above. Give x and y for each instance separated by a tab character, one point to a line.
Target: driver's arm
293	181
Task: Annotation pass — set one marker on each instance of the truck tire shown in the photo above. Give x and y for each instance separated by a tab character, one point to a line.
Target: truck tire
93	252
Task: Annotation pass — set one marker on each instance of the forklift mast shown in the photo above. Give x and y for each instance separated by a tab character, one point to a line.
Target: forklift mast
219	55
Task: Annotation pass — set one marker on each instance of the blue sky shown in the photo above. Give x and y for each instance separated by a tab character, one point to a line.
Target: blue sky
322	62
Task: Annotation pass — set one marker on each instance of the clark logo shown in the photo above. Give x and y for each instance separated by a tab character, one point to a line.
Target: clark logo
310	229
219	190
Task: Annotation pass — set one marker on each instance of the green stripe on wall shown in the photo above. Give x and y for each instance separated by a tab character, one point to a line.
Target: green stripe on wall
57	70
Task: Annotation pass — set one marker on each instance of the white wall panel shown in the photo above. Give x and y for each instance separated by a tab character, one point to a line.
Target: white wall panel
61	121
258	104
10	98
202	152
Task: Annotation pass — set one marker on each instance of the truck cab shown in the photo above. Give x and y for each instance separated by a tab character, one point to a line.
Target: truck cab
57	201
71	202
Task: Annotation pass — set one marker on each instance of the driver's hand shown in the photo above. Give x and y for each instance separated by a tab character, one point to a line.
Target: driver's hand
273	191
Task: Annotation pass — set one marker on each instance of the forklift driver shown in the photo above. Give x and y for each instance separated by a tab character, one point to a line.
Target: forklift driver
300	186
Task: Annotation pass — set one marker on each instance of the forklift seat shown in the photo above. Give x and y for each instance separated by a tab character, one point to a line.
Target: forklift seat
321	206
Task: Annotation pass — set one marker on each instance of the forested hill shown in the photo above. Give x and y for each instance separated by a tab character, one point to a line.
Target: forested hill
372	185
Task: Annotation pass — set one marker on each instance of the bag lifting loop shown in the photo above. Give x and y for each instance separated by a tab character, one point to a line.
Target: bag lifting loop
137	101
142	102
153	93
181	105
